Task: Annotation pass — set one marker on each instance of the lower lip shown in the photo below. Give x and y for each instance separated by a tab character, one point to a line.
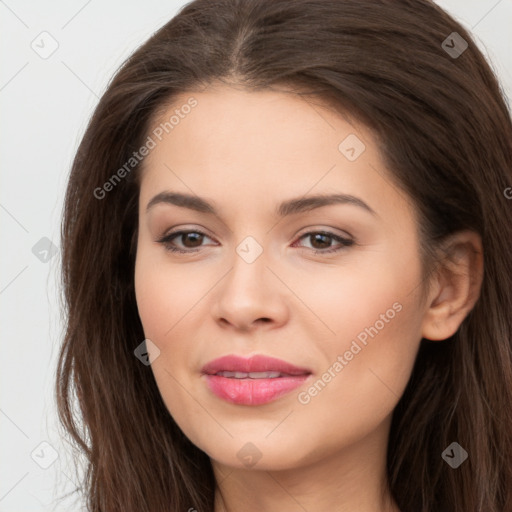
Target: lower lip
253	391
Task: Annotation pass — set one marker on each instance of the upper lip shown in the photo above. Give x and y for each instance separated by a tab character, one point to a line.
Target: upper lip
257	363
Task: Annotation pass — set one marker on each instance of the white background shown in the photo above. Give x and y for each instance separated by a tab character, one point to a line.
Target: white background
45	105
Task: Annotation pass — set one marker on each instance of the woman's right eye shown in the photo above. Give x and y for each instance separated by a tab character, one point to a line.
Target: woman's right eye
168	243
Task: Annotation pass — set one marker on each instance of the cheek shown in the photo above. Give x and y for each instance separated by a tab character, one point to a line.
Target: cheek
150	293
368	359
163	300
369	367
378	331
164	295
346	302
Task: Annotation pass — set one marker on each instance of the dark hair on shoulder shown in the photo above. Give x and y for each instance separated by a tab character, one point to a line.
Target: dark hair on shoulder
444	130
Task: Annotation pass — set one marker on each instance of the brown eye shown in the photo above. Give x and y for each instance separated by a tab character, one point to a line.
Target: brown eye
191	241
193	238
321	241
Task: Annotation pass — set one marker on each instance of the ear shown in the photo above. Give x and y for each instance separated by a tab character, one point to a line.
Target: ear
455	287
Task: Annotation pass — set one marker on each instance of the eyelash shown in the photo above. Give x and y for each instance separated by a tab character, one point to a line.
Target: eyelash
345	242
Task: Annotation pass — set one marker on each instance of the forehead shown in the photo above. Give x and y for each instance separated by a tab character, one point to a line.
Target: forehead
282	124
258	147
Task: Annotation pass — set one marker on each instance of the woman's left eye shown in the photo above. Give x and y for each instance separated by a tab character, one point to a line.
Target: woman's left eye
321	237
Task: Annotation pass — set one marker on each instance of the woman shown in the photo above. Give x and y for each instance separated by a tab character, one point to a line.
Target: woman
286	268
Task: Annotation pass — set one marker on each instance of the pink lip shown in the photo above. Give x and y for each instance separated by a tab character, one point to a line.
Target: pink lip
252	391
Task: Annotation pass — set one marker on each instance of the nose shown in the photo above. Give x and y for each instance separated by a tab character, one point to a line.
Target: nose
250	295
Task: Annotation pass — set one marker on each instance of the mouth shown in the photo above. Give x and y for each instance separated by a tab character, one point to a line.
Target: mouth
254	381
252	375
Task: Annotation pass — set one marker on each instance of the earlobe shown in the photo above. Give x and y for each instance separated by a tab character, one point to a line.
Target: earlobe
457	286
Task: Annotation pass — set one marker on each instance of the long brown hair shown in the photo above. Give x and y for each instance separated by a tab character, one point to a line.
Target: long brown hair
444	130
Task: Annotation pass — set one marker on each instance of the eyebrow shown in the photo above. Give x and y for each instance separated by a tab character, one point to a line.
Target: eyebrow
288	207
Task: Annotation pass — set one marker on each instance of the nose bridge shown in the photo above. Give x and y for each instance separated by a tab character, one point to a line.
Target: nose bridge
247	292
250	250
249	266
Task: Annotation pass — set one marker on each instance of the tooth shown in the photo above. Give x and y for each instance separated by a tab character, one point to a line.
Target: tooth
227	374
264	375
251	375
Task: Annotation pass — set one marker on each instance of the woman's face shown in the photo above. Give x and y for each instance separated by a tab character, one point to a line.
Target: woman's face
263	280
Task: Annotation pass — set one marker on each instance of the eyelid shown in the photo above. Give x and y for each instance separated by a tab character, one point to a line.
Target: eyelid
316	228
165	238
183	229
307	230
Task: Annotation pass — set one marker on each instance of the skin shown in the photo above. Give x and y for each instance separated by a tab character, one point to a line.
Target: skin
246	152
